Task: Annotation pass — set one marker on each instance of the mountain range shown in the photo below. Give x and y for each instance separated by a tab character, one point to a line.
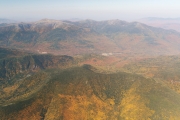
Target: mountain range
88	70
89	36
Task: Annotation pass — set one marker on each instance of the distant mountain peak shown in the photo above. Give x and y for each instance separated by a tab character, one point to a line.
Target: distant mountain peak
115	21
49	21
88	20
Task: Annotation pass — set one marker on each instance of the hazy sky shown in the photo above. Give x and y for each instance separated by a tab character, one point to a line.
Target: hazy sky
89	9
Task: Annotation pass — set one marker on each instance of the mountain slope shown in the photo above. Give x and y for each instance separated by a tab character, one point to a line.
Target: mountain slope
14	62
22	76
136	37
98	96
88	36
55	37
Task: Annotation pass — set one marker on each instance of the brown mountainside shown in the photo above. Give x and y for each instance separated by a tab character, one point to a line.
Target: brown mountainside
88	36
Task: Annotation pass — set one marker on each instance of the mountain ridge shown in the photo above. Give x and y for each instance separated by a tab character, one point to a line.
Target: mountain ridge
105	96
89	36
